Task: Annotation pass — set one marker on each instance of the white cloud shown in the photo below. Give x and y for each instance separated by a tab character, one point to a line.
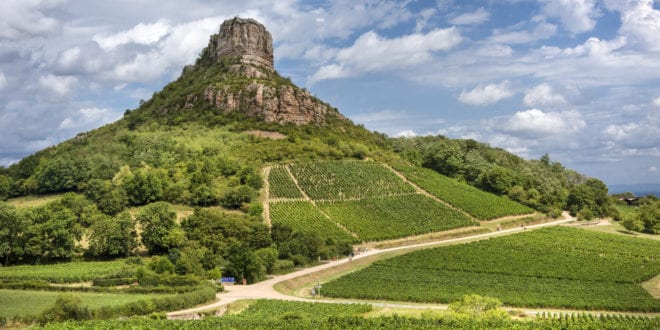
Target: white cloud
653	169
21	19
3	81
495	50
595	47
543	96
371	52
478	16
640	21
542	31
577	16
87	118
60	85
488	94
142	34
535	122
406	133
656	101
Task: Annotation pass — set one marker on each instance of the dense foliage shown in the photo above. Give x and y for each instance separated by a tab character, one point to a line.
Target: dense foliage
554	267
394	216
644	216
478	203
269	314
541	184
348	180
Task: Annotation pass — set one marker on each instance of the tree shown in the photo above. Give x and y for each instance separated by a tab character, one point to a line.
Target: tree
52	233
244	263
234	198
112	236
157	221
12	225
649	216
476	306
144	186
5	187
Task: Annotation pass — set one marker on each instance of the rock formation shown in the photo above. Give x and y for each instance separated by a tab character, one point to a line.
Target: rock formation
248	46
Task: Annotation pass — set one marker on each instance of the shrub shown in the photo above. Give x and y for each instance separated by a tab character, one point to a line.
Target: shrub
66	307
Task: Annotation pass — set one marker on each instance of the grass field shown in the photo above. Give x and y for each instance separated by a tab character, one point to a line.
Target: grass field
65	272
22	302
553	267
33	200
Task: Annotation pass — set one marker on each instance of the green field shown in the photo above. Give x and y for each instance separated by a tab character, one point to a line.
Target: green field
24	302
478	203
552	267
304	217
338	180
281	185
275	314
394	216
66	272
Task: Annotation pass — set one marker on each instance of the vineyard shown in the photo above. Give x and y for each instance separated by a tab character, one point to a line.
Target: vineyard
478	203
274	314
394	216
553	267
281	184
338	180
304	217
66	272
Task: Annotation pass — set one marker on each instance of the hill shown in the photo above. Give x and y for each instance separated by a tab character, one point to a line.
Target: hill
204	140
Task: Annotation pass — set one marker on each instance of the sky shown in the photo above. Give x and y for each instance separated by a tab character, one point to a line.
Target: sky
576	79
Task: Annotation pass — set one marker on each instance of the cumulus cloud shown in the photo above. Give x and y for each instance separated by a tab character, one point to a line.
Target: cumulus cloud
406	133
576	16
488	94
535	122
640	21
653	169
656	101
543	96
542	31
87	118
21	19
478	16
59	85
142	34
371	52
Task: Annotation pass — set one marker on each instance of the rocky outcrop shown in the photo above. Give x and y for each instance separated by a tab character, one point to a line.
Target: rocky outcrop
246	39
251	84
283	104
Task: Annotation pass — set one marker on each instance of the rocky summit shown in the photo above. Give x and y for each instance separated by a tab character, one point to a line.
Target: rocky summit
255	88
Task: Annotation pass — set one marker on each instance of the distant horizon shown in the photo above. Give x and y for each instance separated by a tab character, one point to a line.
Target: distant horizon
640	190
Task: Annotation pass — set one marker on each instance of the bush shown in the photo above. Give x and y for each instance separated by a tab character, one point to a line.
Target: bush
66	307
282	266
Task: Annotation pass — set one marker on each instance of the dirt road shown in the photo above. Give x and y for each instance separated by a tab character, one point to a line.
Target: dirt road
265	289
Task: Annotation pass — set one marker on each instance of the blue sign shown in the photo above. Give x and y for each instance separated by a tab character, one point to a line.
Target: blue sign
228	280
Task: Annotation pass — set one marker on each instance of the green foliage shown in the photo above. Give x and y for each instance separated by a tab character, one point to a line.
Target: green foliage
649	215
235	197
68	272
12	225
157	221
348	180
590	198
553	267
281	184
394	216
112	236
476	306
5	187
304	217
66	307
478	203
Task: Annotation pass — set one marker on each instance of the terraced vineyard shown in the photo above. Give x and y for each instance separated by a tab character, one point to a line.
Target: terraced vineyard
552	267
281	184
304	217
66	272
337	180
394	216
478	203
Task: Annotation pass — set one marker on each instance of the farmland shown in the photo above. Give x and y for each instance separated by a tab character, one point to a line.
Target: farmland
66	272
394	216
337	180
303	216
478	203
554	267
281	184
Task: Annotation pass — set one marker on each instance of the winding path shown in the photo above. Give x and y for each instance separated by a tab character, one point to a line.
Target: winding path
266	290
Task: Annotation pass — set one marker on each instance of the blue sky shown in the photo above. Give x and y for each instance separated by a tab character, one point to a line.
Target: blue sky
578	79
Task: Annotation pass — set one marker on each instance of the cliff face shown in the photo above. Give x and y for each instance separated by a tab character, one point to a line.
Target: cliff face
261	92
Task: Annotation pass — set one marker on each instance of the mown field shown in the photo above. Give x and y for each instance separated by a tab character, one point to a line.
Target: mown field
394	216
274	314
478	203
552	267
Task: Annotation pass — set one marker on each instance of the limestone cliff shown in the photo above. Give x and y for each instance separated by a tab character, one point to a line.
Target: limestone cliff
252	85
